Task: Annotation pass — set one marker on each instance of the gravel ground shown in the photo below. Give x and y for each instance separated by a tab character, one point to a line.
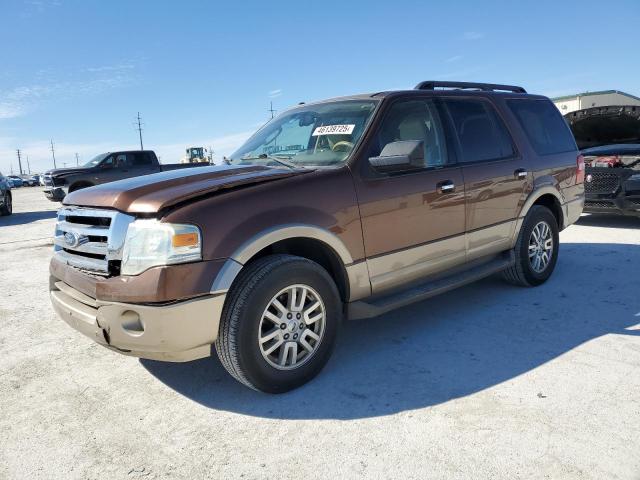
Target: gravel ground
489	381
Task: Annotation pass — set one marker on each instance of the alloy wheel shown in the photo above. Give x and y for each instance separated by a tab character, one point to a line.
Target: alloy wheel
291	327
540	247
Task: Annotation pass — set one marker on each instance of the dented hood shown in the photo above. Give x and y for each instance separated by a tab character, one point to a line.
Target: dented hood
155	192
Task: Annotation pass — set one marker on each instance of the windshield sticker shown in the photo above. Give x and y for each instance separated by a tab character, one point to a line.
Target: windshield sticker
334	130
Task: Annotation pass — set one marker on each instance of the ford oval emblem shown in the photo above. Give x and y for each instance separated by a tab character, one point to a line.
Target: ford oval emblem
70	239
589	178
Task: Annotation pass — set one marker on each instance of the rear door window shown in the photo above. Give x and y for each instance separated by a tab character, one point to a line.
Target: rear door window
543	125
481	133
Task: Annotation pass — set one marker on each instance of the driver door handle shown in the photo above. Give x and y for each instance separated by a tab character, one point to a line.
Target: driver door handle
446	186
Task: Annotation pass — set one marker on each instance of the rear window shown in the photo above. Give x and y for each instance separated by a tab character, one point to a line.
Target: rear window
543	124
481	133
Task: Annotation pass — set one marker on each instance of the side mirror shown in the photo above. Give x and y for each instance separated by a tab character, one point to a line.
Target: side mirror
400	156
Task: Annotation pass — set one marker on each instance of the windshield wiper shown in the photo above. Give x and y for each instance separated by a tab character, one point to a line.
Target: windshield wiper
264	156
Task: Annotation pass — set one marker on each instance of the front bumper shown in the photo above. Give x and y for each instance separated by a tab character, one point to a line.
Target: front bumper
176	332
625	201
55	194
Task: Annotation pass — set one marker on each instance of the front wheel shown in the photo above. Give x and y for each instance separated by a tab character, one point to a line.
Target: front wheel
279	323
536	250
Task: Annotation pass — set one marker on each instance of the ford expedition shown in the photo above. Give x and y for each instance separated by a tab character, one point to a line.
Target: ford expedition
344	208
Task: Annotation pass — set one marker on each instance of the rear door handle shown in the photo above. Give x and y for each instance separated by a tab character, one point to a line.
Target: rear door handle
446	187
520	174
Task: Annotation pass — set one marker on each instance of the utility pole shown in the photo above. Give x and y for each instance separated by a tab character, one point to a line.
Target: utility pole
28	166
19	161
53	154
139	128
271	109
77	160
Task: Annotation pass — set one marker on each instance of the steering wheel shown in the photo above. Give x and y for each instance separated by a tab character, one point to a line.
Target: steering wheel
342	146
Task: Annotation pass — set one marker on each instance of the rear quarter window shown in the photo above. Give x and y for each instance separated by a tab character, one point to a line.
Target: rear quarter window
544	126
481	134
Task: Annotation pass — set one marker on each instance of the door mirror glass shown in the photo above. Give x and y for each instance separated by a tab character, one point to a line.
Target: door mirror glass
400	156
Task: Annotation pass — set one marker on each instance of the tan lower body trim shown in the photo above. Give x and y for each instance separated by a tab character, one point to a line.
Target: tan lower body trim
177	332
396	269
490	240
359	284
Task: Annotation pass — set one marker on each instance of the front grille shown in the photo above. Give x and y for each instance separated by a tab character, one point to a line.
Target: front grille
598	204
47	181
91	239
602	182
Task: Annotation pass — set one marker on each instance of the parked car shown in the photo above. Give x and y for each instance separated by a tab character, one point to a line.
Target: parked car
345	208
29	181
6	199
105	168
16	182
610	141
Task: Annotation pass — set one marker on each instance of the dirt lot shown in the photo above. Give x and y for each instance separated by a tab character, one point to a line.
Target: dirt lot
489	381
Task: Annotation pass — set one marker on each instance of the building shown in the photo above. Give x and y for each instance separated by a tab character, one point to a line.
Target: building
604	98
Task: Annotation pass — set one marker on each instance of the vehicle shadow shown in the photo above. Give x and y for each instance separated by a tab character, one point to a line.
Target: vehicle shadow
447	347
609	221
22	218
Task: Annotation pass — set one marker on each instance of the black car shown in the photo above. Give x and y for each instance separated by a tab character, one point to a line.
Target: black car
6	200
105	168
609	140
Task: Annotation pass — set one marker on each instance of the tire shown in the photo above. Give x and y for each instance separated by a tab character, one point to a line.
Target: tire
525	272
7	207
249	314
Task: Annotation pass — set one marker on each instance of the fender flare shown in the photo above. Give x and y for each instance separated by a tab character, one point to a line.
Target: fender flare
533	197
251	247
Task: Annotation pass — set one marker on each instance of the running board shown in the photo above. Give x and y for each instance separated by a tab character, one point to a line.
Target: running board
380	305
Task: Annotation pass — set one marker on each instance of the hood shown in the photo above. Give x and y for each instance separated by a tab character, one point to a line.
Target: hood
60	172
601	126
155	192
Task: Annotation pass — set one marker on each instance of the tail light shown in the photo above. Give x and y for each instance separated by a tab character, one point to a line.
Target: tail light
579	169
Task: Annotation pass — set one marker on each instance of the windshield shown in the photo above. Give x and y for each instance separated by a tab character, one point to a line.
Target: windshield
317	135
95	160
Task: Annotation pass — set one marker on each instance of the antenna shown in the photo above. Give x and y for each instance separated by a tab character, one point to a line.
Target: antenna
139	128
19	161
53	154
271	109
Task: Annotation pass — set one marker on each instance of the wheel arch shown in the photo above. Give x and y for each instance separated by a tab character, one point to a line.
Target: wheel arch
547	196
307	241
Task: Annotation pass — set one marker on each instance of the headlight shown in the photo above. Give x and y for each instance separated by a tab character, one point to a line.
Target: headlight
150	243
635	177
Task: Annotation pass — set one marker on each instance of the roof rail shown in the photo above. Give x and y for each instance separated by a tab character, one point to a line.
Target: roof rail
486	87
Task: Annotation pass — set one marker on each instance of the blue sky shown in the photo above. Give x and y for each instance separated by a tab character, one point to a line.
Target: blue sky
203	73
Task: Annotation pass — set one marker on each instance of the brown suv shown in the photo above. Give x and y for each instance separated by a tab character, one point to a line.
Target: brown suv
345	208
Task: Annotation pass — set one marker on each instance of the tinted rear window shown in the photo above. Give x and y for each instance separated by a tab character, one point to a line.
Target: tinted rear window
481	133
543	124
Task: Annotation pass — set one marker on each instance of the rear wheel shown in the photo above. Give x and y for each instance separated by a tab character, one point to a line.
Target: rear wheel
536	250
279	323
7	206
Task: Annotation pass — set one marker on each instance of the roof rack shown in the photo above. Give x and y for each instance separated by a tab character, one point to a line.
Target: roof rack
485	87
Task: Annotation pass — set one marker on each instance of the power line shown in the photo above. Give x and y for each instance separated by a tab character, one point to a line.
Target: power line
53	154
139	128
19	161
